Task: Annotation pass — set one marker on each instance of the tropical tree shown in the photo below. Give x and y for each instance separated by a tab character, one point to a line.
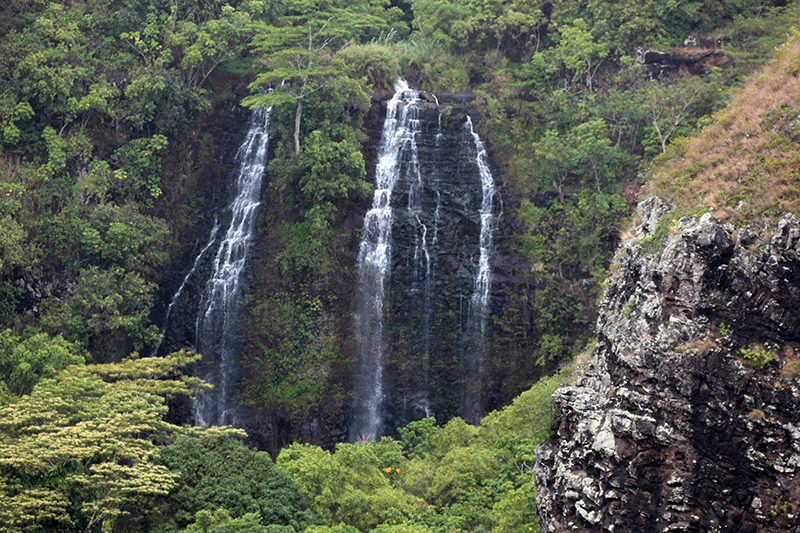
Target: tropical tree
108	313
82	445
297	51
347	486
24	362
220	521
219	472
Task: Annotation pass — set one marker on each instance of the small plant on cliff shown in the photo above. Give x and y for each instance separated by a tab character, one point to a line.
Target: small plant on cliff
756	356
667	224
628	308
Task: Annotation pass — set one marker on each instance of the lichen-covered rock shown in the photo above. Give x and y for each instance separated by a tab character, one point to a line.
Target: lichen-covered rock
671	427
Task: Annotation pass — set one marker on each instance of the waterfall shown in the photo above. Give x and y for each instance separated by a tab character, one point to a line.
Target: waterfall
211	240
398	137
474	356
218	329
424	270
480	298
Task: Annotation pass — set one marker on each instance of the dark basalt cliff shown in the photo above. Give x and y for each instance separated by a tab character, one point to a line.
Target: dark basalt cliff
670	427
434	263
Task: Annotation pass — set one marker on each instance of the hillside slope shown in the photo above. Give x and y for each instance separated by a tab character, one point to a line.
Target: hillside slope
747	161
686	416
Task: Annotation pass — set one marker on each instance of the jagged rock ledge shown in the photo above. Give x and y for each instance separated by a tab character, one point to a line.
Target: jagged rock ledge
670	428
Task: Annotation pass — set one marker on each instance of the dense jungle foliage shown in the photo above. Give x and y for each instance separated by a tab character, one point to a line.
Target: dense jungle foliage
110	166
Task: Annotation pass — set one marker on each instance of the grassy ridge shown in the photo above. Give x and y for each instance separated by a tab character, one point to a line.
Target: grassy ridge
746	162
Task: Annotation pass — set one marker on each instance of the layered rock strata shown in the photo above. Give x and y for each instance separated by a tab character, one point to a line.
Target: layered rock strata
687	415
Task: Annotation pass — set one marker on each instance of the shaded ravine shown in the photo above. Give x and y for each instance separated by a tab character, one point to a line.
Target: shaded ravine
218	331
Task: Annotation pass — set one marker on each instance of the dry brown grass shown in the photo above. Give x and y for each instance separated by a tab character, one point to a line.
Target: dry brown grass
748	159
791	362
701	345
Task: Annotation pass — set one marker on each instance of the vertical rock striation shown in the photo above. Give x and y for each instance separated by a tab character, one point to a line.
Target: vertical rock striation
670	427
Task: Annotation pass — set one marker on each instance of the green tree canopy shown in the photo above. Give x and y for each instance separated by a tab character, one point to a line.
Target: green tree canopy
108	313
298	51
24	362
82	445
220	472
347	486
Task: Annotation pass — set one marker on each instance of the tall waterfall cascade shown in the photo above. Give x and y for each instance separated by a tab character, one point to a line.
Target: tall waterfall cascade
424	269
474	356
218	335
398	138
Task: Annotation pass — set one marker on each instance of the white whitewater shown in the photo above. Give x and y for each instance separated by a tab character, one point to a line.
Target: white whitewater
480	297
218	337
374	258
474	358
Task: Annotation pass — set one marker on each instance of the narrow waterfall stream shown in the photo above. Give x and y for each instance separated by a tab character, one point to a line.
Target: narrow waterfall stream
474	357
218	330
212	238
398	137
480	298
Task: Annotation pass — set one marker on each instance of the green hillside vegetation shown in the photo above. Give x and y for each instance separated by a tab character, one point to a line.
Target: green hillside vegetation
87	449
450	478
110	163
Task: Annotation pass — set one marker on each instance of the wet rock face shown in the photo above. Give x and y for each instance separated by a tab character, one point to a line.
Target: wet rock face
435	251
671	428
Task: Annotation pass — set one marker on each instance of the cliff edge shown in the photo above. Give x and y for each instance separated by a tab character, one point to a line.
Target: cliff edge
687	415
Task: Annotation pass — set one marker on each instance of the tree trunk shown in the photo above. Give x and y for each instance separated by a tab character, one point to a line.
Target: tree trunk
297	126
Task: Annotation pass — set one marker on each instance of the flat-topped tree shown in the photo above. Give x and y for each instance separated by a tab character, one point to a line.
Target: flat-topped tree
298	52
79	451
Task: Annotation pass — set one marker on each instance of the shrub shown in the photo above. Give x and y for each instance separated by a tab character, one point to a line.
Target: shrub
756	356
377	62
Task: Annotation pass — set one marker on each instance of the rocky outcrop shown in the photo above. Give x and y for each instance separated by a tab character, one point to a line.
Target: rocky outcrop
694	61
675	425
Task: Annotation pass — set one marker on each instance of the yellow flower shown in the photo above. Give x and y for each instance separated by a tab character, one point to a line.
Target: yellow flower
387	469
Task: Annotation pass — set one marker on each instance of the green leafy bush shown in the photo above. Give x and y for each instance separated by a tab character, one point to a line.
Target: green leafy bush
756	356
220	472
377	62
